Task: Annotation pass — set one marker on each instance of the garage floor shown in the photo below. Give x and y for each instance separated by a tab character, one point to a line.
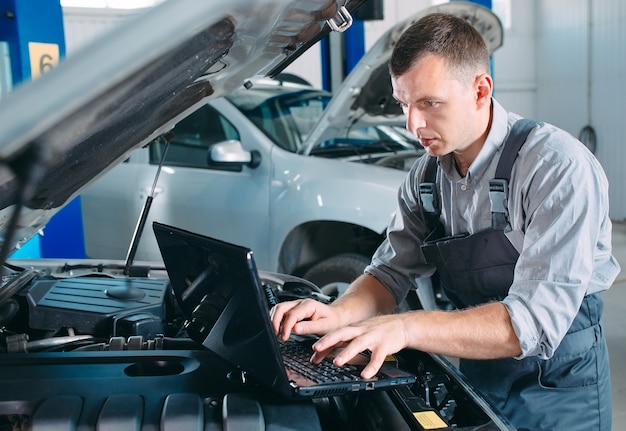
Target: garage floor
615	329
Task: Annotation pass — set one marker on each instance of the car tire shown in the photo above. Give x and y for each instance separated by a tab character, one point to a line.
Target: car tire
334	274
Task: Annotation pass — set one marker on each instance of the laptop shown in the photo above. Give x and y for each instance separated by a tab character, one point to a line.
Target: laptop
226	306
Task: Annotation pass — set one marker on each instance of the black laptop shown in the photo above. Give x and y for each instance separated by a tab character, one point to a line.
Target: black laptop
227	309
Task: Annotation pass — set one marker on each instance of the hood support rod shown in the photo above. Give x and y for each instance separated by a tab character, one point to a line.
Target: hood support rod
141	223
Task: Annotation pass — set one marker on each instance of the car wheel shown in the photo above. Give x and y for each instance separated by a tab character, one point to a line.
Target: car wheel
334	274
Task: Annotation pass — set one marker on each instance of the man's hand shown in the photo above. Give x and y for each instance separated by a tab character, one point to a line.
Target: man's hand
366	297
382	336
482	332
305	316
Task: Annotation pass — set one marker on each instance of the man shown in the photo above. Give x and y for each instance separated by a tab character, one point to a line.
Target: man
528	331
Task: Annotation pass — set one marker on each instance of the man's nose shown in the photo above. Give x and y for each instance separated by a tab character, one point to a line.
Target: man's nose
414	120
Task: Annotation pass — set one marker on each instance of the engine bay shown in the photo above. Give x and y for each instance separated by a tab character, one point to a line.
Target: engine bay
82	347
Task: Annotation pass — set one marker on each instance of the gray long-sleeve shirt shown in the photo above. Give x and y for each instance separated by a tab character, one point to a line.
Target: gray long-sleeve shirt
559	222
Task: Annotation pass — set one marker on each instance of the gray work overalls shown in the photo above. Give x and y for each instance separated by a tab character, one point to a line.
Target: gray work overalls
570	391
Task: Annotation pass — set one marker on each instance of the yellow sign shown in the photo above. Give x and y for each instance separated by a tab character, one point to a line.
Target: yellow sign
43	57
430	420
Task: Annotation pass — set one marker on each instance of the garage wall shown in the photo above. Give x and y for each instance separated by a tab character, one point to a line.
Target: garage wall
515	62
82	25
608	94
581	65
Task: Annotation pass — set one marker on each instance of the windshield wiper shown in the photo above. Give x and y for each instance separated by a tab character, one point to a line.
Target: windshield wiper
341	149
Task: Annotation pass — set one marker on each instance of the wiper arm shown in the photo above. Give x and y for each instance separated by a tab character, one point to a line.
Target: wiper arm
358	149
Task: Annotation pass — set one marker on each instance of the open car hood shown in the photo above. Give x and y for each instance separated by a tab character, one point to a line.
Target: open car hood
62	131
364	98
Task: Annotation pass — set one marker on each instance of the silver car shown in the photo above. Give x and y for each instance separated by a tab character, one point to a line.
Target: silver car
237	169
309	185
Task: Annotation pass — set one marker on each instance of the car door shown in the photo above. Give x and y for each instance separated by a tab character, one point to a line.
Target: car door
229	202
110	207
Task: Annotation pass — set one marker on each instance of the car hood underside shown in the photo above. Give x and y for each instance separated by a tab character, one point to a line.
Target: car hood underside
62	131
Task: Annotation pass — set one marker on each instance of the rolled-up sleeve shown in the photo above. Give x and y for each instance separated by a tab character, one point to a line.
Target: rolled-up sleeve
562	208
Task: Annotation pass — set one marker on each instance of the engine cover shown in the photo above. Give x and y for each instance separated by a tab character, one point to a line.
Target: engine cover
90	304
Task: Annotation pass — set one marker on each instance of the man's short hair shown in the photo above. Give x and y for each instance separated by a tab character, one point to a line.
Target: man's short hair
450	37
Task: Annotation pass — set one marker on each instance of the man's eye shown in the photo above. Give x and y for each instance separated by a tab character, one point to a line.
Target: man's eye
431	103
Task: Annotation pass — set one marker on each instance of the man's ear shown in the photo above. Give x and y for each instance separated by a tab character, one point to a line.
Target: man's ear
483	86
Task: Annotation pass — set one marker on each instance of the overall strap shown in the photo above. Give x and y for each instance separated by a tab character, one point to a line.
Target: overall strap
428	192
498	187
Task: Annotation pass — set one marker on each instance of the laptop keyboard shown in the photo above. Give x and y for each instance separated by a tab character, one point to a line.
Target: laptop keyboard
297	356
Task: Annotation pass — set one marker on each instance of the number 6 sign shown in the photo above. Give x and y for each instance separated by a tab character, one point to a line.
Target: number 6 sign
43	57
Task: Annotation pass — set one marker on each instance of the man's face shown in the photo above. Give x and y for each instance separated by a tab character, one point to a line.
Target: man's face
440	110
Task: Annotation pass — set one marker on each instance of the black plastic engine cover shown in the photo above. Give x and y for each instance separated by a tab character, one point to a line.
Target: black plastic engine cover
89	304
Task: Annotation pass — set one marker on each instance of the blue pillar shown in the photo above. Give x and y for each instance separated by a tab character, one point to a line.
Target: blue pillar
33	31
352	47
325	62
354	43
485	3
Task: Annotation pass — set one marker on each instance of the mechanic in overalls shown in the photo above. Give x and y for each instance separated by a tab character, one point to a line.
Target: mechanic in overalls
514	217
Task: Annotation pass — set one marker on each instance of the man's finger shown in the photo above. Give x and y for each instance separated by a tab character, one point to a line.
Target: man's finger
376	361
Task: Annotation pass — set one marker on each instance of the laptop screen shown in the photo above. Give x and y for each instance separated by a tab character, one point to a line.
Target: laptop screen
217	286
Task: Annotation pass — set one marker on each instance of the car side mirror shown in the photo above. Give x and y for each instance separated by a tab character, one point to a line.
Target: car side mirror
231	154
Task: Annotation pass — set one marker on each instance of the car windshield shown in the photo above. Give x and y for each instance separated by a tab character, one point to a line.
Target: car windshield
288	113
284	113
366	141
